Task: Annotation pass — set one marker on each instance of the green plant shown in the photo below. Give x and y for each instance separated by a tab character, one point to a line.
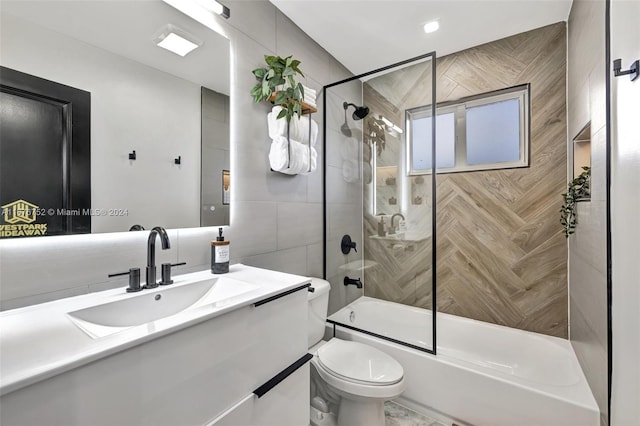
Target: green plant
279	78
578	188
375	133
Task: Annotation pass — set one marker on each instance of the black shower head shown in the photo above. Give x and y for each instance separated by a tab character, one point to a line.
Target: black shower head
360	112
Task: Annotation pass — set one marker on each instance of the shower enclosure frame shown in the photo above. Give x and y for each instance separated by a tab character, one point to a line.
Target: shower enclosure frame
432	56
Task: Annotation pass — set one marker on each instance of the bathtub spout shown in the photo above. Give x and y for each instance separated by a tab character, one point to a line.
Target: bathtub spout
353	281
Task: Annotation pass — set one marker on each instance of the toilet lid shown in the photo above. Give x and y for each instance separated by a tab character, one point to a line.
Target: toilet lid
360	363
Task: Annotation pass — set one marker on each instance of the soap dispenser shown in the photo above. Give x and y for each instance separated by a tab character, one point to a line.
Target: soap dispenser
381	230
220	254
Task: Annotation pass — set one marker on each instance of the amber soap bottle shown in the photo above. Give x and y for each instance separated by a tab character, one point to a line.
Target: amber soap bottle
220	254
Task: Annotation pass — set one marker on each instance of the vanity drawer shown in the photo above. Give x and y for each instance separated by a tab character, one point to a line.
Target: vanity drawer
277	335
286	404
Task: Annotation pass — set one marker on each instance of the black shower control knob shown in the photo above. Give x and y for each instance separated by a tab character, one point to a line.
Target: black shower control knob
347	244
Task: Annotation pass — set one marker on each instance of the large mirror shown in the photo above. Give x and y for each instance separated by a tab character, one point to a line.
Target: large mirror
158	122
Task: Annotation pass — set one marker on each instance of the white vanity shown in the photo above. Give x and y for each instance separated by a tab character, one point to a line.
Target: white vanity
207	350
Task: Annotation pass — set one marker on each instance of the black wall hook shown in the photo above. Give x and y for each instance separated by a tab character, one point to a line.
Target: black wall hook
178	160
633	71
132	155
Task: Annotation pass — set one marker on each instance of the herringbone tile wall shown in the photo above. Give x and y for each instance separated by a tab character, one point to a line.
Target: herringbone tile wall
501	256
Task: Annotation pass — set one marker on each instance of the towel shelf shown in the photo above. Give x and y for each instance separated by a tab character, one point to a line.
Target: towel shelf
306	108
289	145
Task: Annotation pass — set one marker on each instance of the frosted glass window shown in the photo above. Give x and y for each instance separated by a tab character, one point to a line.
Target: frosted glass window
481	132
445	142
493	133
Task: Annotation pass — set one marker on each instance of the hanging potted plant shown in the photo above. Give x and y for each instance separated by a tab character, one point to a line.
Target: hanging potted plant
277	83
577	190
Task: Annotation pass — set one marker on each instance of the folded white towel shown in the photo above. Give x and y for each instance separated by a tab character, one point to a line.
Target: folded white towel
349	149
298	127
309	91
309	95
295	164
350	171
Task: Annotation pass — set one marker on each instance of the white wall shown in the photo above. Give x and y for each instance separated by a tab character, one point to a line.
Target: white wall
586	103
133	107
625	205
276	220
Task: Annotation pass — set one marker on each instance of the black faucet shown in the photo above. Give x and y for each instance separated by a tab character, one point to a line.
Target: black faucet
392	228
151	254
353	281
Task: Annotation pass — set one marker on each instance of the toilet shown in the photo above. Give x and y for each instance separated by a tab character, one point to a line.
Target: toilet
361	376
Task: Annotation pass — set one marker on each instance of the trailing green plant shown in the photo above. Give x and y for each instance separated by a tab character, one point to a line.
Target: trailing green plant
375	133
280	77
578	188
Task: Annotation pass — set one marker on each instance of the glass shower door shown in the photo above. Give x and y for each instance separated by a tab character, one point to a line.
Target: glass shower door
387	288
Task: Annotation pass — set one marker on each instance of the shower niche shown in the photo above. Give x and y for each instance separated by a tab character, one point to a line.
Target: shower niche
582	150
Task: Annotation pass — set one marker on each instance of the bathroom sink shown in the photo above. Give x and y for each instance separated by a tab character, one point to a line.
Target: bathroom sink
408	236
148	306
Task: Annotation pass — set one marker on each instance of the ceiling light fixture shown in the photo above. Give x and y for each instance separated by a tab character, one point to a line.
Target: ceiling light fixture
205	15
431	27
215	7
176	40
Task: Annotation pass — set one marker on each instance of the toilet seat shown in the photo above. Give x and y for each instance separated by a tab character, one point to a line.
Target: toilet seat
359	369
359	363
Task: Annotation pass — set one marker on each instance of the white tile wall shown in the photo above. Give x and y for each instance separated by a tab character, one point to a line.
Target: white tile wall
315	61
314	260
299	224
592	285
276	220
587	247
292	260
598	164
256	19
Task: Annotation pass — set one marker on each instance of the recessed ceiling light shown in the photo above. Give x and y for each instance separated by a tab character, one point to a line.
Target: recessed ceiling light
177	41
431	27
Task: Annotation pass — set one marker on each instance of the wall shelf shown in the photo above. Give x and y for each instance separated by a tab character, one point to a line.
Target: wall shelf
306	108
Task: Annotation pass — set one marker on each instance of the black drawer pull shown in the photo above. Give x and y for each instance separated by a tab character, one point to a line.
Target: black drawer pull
275	380
278	296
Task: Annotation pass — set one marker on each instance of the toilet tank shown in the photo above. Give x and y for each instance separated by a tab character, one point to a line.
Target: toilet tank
318	304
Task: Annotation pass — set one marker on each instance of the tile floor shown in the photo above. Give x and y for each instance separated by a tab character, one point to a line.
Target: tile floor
399	415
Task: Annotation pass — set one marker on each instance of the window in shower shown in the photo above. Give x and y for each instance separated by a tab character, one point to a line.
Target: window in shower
483	132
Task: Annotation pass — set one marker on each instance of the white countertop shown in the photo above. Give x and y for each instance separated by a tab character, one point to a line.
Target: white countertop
41	341
403	237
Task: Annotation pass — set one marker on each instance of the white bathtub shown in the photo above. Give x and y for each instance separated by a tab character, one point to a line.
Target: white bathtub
483	374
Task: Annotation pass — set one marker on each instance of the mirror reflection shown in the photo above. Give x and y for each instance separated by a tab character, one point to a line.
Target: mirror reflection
158	121
397	201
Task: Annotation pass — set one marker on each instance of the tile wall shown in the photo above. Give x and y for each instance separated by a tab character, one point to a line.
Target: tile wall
587	247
